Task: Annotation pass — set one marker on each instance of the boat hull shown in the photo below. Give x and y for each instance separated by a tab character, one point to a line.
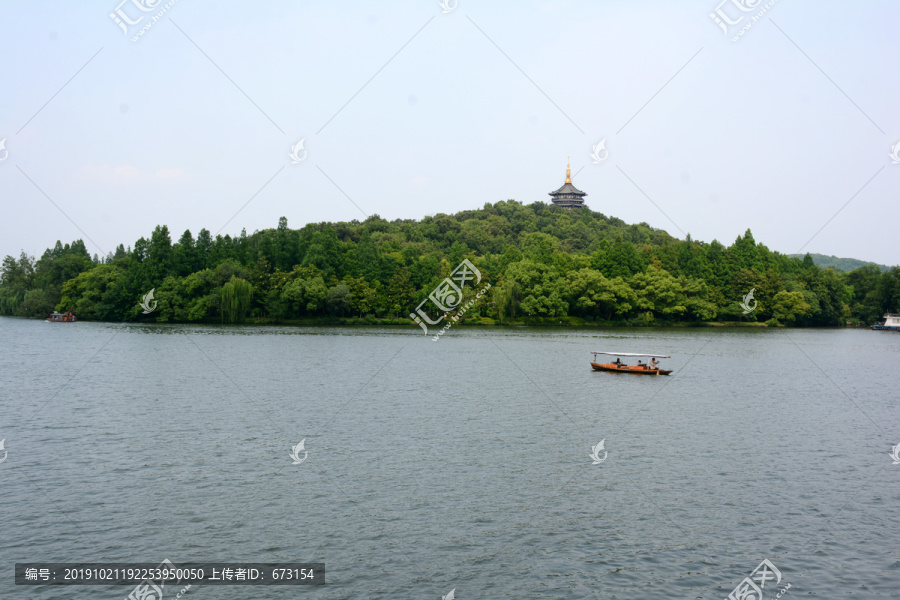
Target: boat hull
634	370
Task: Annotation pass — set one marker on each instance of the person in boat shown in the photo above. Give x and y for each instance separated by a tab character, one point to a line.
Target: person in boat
654	364
641	365
618	363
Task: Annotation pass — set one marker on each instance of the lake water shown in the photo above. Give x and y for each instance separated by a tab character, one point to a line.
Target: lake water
458	464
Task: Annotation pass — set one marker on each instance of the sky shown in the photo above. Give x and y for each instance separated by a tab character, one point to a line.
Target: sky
410	108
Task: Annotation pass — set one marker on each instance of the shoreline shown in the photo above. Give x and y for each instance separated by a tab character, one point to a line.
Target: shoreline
532	322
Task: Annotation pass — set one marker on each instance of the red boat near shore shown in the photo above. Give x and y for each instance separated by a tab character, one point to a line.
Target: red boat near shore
620	367
57	317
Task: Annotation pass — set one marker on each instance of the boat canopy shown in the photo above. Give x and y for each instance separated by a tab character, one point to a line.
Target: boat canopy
632	354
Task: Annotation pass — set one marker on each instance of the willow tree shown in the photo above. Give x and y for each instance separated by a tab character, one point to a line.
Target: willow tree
236	295
506	299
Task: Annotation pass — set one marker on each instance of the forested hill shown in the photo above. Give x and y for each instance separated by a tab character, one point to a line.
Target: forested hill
840	264
544	264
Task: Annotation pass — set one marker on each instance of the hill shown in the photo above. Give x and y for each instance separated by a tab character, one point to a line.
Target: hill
544	264
840	264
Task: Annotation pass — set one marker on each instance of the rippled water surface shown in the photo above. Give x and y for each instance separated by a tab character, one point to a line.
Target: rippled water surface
461	463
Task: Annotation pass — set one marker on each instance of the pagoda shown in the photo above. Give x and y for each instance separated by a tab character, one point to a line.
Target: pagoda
568	195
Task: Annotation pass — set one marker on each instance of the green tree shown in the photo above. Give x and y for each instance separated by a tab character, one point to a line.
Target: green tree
400	293
507	297
338	299
236	296
184	255
542	290
866	305
305	295
788	306
84	294
593	294
37	303
888	291
362	295
16	279
621	260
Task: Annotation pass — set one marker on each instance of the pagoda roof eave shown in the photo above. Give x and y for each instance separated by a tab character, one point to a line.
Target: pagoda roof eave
568	188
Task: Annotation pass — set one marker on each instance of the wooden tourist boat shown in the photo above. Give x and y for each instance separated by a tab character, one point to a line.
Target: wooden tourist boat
620	367
56	317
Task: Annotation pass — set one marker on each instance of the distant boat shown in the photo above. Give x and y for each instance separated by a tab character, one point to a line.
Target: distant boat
620	367
57	317
891	323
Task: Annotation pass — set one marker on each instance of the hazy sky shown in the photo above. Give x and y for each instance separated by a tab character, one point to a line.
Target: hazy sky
407	111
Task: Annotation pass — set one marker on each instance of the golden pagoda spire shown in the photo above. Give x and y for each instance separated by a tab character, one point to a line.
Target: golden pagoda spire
568	171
